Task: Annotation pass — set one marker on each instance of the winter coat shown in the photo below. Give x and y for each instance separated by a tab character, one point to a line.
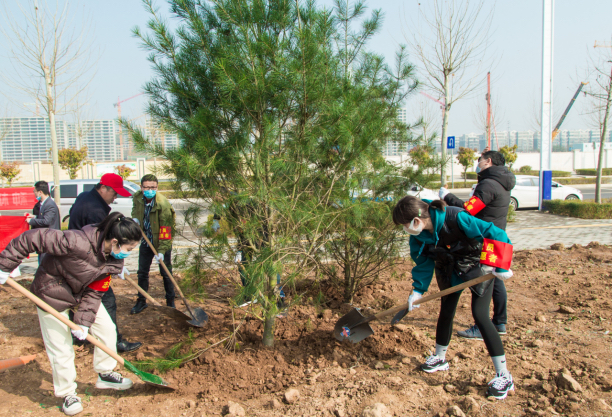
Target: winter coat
161	217
461	232
89	208
73	260
47	217
493	192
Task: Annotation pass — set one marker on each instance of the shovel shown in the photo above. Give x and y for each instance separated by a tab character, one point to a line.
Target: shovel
198	316
355	327
168	311
144	376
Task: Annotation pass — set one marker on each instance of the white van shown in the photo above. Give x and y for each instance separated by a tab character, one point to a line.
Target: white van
70	189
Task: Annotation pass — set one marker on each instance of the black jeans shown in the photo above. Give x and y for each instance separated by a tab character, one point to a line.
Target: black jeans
110	304
145	257
500	302
480	312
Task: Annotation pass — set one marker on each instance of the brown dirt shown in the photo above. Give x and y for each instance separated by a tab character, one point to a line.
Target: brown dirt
337	379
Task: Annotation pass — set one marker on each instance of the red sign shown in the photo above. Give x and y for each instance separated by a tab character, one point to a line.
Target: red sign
17	198
496	253
10	228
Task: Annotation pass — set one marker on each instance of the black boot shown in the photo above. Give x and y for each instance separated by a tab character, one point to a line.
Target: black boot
125	346
140	305
170	302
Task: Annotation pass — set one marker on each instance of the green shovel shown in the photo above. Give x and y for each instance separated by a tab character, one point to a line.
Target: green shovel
144	376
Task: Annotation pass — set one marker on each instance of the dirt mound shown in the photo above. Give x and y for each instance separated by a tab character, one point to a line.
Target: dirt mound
559	357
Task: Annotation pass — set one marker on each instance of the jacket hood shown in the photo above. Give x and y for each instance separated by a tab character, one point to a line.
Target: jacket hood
501	174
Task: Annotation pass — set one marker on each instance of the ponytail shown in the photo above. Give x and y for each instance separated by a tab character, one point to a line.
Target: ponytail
117	226
410	207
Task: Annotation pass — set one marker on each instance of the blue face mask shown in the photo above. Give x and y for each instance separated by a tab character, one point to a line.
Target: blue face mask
121	255
38	198
477	169
149	193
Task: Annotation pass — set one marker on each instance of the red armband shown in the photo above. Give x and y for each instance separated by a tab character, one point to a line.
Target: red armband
474	205
101	284
165	233
496	253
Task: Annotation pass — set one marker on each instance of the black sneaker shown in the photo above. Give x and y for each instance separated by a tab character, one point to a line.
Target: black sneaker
139	307
499	386
434	364
72	405
470	333
113	380
501	328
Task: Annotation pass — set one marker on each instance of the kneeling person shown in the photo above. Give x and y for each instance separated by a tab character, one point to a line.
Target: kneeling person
156	217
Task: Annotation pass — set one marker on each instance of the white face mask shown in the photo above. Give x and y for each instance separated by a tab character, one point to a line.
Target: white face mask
414	230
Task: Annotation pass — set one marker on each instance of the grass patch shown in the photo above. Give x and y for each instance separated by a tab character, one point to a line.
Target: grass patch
580	209
511	216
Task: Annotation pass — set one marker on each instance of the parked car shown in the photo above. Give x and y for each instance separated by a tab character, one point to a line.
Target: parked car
70	189
525	192
415	190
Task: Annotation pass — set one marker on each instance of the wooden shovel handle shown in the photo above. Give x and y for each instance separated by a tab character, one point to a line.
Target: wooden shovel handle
141	291
44	306
440	294
161	262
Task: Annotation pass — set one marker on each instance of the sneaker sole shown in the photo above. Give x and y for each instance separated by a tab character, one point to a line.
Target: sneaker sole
468	337
116	387
444	367
505	395
73	412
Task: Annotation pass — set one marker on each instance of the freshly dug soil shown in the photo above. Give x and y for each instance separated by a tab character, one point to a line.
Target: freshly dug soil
558	342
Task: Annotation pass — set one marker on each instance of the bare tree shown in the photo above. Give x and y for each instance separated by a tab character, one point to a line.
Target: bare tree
51	61
479	117
600	90
451	52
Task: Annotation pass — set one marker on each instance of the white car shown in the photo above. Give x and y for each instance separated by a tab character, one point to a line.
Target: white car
423	193
525	192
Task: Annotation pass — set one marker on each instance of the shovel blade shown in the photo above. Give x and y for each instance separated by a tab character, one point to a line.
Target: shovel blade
349	327
199	318
146	377
171	312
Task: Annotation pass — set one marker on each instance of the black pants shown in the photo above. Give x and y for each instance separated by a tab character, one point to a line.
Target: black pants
480	312
500	302
145	257
110	304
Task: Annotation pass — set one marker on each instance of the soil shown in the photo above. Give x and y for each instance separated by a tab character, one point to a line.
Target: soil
559	326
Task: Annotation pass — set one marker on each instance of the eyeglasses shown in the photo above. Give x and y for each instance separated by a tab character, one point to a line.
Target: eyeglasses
150	188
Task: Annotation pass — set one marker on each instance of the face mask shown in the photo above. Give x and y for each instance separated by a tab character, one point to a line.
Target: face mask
149	193
38	198
414	230
121	255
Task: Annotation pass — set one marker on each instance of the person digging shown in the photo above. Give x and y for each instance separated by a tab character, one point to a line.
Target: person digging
449	241
74	274
155	215
489	201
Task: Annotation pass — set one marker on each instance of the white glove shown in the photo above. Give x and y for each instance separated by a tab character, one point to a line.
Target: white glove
413	297
215	225
503	275
238	257
136	221
16	273
3	277
443	192
81	334
123	273
158	257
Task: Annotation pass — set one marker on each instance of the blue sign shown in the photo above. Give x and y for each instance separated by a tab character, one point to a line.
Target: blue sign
450	142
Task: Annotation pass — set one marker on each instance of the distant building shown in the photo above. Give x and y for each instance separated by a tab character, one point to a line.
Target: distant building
394	148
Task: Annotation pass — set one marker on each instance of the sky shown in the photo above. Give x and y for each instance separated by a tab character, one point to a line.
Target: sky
515	48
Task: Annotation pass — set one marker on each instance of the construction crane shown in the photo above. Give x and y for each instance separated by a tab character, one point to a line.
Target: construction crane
118	105
567	109
602	45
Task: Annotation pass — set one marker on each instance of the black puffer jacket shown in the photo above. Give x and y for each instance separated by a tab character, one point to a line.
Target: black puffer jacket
493	190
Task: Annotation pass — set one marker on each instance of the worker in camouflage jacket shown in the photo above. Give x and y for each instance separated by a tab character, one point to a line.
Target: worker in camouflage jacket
156	217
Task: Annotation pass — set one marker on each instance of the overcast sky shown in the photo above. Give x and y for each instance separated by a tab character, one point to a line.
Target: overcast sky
515	43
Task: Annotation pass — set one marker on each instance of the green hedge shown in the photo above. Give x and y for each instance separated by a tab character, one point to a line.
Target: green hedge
555	174
458	184
471	175
593	171
580	209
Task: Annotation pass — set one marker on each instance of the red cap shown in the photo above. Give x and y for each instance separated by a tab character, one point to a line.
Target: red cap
116	183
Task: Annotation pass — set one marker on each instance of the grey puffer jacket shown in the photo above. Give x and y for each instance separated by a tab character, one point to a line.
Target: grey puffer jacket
73	260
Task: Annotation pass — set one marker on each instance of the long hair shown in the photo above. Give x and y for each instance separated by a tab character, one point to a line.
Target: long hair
117	226
410	207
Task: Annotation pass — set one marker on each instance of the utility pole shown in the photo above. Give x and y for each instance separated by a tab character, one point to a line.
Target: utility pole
489	110
548	13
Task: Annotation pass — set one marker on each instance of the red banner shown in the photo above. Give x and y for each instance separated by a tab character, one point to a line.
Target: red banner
496	253
17	198
10	228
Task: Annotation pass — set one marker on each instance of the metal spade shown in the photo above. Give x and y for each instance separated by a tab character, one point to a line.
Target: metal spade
168	311
355	327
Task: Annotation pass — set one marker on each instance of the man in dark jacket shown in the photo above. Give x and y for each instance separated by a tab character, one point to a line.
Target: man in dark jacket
91	207
48	216
489	202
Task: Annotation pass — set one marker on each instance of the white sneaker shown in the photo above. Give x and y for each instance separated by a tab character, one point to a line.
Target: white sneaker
72	405
113	380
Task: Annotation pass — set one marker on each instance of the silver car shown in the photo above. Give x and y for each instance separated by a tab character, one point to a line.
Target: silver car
70	189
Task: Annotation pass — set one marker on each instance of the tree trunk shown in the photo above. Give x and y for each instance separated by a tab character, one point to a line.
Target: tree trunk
444	130
268	334
465	178
602	141
54	149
